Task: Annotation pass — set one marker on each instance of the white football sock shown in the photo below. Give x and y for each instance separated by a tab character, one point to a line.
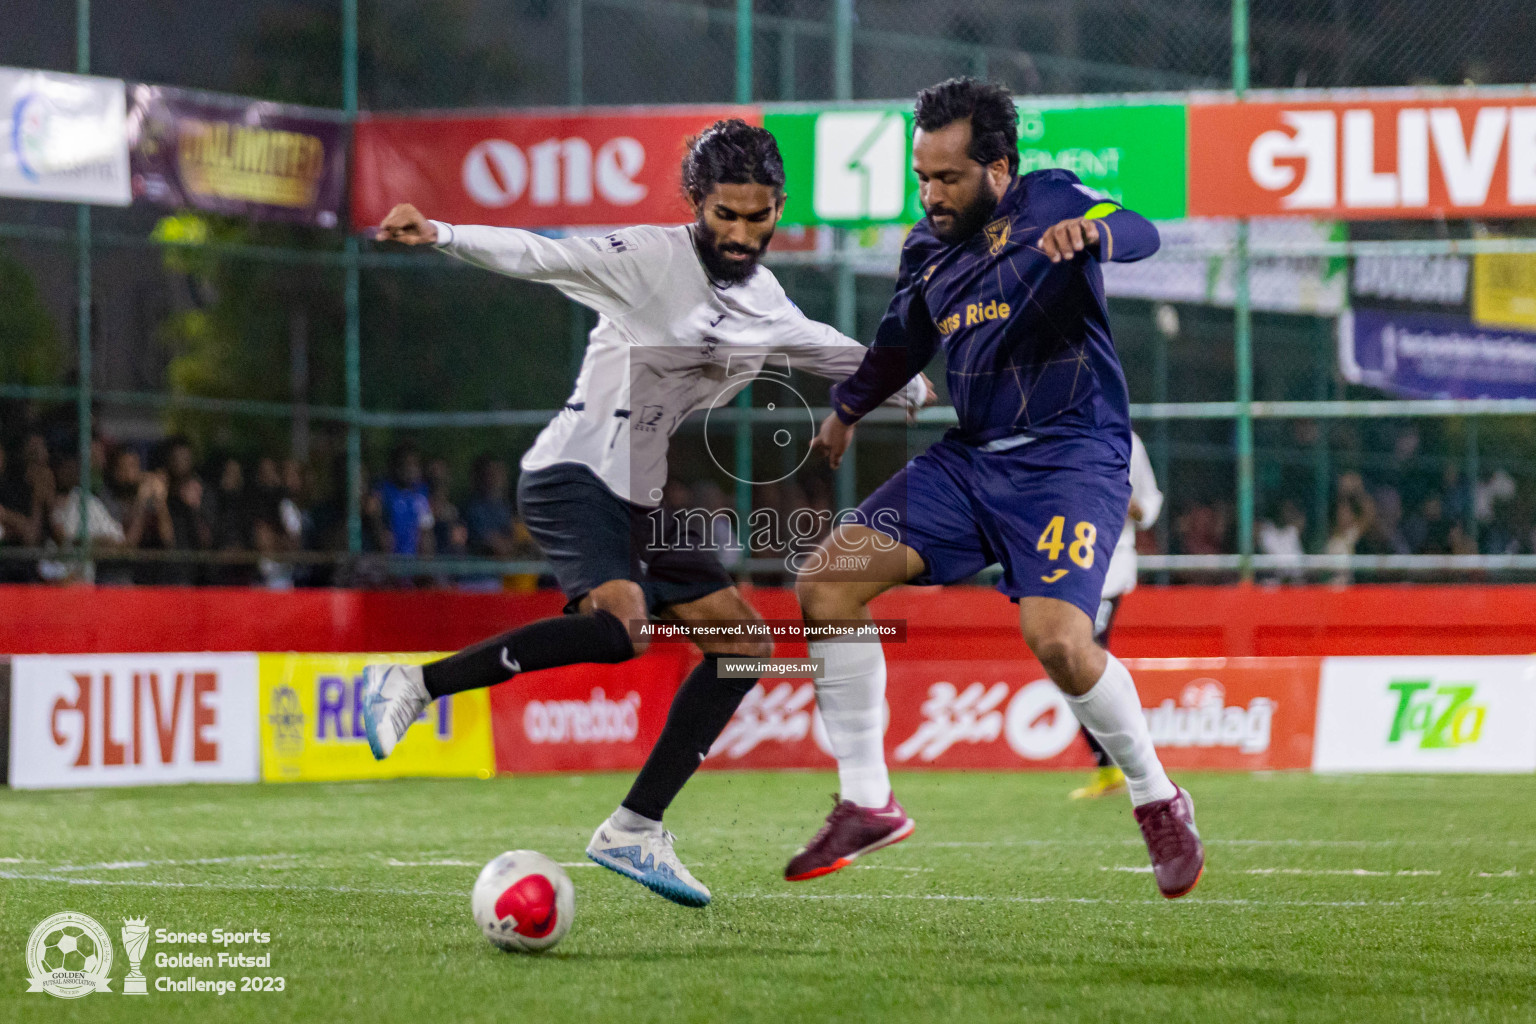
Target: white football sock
851	695
1112	712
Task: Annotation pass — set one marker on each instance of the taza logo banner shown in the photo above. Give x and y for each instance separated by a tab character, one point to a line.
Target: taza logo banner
602	167
1427	714
1400	159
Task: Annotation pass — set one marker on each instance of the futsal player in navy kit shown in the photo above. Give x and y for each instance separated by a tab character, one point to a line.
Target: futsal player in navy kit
1004	276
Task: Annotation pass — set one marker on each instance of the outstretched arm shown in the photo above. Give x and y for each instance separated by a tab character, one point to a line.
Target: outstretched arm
593	271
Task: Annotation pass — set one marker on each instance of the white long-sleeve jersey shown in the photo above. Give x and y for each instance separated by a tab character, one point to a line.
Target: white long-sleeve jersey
1121	577
668	342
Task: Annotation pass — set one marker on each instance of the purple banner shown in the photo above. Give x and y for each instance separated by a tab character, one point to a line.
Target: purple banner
238	157
1432	355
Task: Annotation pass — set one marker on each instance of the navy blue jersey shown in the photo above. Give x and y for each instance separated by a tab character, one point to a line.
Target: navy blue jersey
1027	341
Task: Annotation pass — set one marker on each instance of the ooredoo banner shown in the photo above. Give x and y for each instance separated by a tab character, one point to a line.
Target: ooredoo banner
575	169
312	724
587	717
1399	159
1427	715
132	719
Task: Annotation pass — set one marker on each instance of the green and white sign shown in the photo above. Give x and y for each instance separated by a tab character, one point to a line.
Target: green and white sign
851	167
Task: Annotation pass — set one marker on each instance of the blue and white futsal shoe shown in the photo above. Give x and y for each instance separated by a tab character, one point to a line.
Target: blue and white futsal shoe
648	858
393	697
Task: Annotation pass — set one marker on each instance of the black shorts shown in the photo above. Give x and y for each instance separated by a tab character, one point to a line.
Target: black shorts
592	536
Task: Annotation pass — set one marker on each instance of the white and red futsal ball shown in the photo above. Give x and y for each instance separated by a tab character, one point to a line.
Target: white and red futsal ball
523	902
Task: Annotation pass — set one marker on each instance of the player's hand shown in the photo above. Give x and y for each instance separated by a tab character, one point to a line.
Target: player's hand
833	438
1135	511
406	224
930	397
1063	241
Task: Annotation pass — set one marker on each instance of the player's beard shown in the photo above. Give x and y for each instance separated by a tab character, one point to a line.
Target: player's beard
720	269
967	220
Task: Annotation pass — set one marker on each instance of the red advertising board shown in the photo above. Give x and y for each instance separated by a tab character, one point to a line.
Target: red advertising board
1399	159
1210	713
599	167
586	718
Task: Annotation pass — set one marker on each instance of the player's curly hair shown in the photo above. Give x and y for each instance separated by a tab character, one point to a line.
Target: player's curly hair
731	152
994	118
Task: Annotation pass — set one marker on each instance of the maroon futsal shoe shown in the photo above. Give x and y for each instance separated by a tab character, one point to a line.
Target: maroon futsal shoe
1178	858
850	832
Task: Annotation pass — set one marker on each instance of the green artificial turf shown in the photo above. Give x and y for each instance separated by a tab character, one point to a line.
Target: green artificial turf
1337	899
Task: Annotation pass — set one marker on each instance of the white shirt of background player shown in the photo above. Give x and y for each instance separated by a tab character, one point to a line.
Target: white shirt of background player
668	342
1148	500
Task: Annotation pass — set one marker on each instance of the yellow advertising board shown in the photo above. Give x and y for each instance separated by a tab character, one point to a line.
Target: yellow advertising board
1504	290
312	726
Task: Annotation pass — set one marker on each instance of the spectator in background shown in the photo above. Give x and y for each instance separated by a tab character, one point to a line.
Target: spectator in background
190	527
450	534
231	519
488	513
25	501
106	533
1280	535
1384	534
405	505
139	501
1353	513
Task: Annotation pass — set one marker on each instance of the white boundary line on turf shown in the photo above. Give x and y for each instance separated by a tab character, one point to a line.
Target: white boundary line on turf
1260	904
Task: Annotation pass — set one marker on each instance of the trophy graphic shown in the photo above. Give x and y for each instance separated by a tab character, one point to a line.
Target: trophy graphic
135	939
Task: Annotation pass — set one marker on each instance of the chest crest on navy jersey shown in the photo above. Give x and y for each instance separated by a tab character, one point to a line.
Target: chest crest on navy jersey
998	234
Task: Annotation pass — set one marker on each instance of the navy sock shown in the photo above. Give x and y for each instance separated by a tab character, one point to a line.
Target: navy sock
700	712
548	643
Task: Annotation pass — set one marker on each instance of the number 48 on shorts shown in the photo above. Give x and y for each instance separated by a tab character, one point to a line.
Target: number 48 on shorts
1080	549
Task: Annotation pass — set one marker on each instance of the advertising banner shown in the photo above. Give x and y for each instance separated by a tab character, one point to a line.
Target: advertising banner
1237	714
132	719
600	167
1296	284
1400	159
852	166
65	138
1420	714
234	156
1435	355
589	717
312	724
1504	294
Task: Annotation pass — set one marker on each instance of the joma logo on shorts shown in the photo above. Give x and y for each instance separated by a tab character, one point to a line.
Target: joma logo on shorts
1443	719
975	313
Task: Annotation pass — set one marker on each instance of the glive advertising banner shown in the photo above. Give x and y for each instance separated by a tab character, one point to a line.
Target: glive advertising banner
312	724
63	137
604	167
1435	355
132	719
1417	714
238	157
852	167
1216	713
1451	155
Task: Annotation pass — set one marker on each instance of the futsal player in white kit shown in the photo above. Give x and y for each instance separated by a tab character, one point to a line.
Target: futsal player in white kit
686	317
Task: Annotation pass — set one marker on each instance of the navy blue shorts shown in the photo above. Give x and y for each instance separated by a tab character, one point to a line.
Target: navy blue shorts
1049	510
592	536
